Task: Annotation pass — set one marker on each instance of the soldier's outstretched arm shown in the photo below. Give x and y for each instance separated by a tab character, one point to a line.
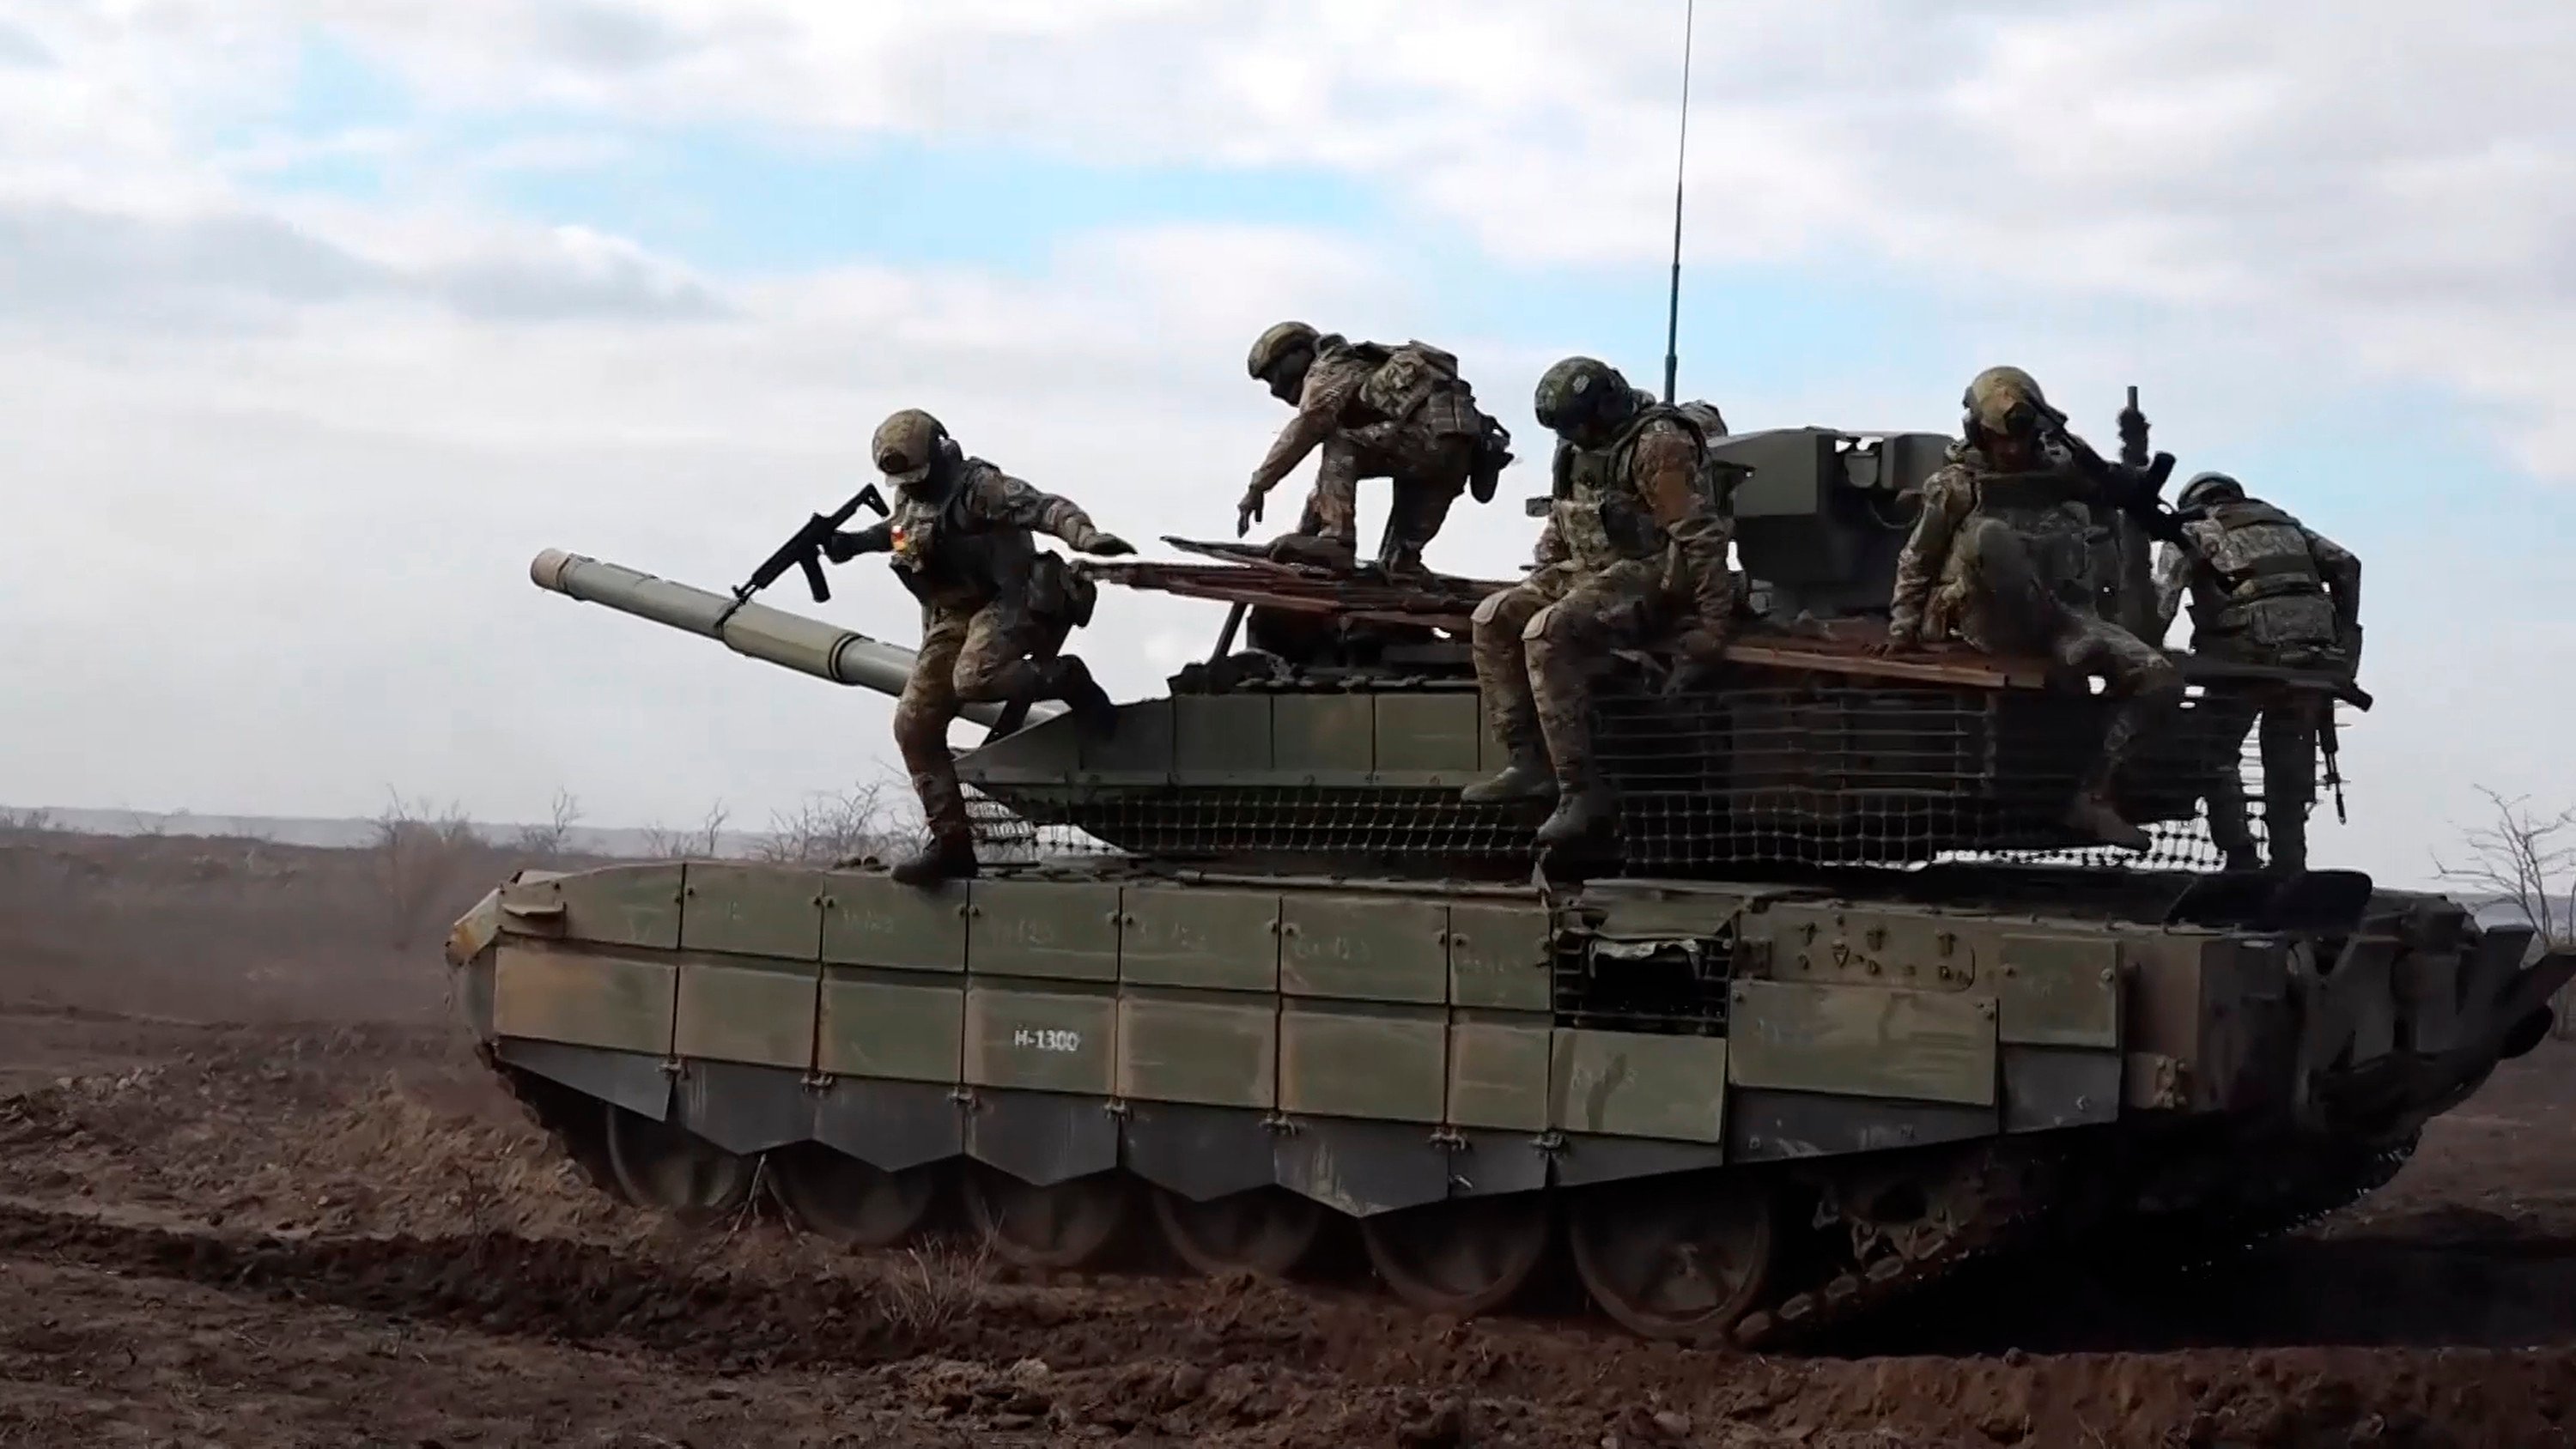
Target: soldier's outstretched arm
1003	499
1926	550
1319	411
2340	568
1666	460
877	537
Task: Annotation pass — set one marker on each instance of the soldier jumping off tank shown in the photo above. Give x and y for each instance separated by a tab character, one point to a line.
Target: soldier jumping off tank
960	535
1633	547
2264	589
1401	413
2002	557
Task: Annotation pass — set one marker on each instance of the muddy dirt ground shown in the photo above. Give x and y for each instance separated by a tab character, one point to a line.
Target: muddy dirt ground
257	1193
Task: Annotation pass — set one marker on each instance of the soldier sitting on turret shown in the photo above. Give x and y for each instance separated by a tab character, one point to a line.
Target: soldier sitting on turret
2264	589
1401	413
2002	556
960	536
1634	544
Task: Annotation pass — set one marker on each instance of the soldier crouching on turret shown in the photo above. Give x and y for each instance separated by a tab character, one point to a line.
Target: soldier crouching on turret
960	536
1634	543
1401	413
2002	556
2264	589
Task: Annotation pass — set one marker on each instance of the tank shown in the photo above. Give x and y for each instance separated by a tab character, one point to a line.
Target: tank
1843	1007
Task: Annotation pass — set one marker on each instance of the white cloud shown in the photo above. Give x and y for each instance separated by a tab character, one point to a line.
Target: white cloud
2366	186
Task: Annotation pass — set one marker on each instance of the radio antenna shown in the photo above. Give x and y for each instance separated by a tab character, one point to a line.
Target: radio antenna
1681	156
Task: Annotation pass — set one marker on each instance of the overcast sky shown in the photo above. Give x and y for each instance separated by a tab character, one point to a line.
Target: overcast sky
318	318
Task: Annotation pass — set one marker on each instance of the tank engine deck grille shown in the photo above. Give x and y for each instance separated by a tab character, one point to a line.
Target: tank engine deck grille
1814	776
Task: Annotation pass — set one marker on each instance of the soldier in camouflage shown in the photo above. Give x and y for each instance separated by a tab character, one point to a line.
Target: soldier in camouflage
1401	413
2264	589
2001	557
1635	545
960	535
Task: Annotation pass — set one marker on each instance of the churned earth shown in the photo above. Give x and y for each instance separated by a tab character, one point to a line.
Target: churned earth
225	1220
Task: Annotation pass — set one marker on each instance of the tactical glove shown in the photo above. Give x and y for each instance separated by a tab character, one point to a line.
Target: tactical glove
843	547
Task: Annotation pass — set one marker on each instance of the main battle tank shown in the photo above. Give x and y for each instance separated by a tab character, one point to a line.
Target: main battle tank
1845	1006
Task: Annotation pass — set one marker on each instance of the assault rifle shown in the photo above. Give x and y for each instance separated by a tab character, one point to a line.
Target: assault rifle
2330	745
2133	432
805	549
2136	489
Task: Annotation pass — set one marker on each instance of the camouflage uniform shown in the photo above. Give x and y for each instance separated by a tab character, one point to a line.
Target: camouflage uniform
2003	561
1634	545
960	535
2264	589
1400	413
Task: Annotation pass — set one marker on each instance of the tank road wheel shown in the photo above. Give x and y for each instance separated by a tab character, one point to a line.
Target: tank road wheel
836	1196
1266	1232
1676	1259
1466	1256
1062	1225
661	1166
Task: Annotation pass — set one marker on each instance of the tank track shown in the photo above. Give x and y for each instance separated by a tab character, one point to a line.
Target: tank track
1976	1200
2208	1235
1975	1207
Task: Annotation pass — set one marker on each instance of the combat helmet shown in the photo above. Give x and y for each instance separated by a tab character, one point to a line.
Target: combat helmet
2209	488
907	446
1276	342
2002	401
1583	394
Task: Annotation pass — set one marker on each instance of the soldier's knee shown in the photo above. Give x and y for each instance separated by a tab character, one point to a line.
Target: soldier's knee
1504	613
979	678
920	727
1560	625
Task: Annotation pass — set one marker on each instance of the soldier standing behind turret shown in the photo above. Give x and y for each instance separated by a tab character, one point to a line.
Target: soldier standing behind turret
1633	544
2264	589
960	536
2002	556
1401	413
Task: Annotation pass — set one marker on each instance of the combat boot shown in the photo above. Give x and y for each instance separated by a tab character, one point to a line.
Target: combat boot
949	855
2092	812
1402	556
1070	680
1338	555
1527	777
1581	809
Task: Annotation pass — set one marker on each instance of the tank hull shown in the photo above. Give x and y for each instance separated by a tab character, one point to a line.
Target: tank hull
1815	1096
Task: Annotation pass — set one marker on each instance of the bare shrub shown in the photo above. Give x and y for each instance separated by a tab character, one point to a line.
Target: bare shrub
552	840
416	855
829	829
2526	860
28	822
934	1285
703	842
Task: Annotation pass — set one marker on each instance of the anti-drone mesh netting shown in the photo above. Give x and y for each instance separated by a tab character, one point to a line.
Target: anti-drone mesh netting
1813	776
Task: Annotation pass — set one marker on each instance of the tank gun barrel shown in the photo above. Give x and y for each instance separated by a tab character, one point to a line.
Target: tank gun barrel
774	636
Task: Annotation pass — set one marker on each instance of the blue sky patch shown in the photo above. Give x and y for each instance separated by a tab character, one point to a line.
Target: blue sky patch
735	202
